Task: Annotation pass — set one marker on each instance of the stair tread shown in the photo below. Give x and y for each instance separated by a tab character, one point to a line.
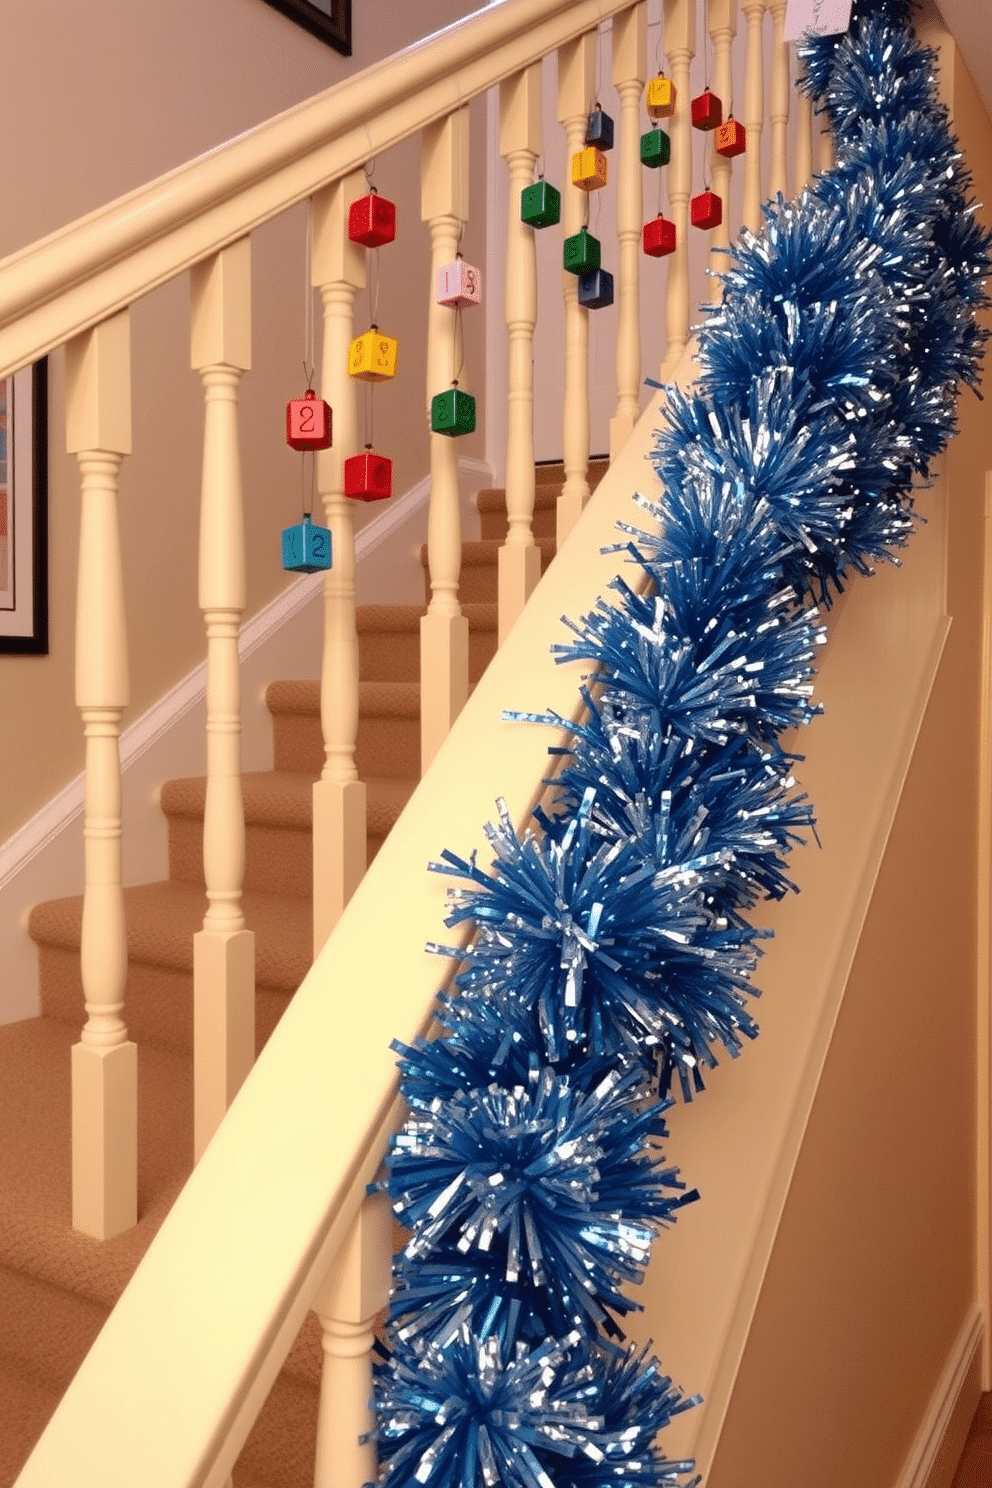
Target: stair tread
36	1236
283	798
162	918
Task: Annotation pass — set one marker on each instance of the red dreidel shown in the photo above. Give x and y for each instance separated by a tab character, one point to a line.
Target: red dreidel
372	220
368	476
706	210
308	422
658	237
730	139
707	111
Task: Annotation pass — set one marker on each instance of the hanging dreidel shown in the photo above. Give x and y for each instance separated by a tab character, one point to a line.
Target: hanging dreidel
660	97
372	356
308	422
599	129
306	548
706	210
540	204
730	138
368	476
659	237
372	220
596	289
453	412
656	149
590	169
458	284
707	111
581	253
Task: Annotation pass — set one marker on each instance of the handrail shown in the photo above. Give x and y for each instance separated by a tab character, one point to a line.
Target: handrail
83	273
213	1307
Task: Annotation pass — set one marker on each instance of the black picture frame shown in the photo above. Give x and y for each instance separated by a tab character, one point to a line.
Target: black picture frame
331	22
24	513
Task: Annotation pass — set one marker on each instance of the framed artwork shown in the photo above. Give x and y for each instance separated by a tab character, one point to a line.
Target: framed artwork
328	19
24	512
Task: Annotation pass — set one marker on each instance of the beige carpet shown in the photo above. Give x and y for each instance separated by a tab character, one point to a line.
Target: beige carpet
56	1287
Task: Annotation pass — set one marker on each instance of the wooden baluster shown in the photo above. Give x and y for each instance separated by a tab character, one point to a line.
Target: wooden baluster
223	951
520	144
629	74
444	629
104	1062
723	29
804	142
354	1293
779	110
754	112
339	804
680	48
824	145
576	80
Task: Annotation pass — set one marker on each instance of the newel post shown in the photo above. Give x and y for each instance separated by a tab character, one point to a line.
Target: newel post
353	1295
444	629
104	1062
339	803
223	951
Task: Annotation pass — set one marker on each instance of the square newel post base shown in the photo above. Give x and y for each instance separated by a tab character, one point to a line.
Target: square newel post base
567	513
443	679
104	1139
223	1025
519	573
340	851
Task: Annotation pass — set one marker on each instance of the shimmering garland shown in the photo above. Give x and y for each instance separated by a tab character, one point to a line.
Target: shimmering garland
612	956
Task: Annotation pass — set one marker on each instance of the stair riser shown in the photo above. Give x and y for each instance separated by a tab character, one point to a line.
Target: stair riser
278	860
388	747
495	526
46	1329
389	656
158	1002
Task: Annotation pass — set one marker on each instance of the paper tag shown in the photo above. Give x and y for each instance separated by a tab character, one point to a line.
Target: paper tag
817	18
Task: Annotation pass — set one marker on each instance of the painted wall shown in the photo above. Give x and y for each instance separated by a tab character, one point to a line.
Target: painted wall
111	105
873	1275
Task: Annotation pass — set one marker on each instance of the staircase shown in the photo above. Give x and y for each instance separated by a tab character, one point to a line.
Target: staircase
57	1286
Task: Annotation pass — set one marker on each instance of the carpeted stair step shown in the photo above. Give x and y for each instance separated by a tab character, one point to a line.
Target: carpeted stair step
162	919
278	808
389	640
388	742
548	481
479	582
57	1286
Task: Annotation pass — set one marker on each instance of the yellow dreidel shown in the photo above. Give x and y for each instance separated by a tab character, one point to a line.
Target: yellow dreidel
589	169
372	357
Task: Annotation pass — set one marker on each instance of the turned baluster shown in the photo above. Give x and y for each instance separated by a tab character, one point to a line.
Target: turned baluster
576	81
355	1292
223	951
723	29
104	1062
804	142
339	799
680	48
779	100
754	111
824	145
520	145
629	74
444	629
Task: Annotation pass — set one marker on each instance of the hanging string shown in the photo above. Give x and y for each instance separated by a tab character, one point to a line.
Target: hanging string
308	315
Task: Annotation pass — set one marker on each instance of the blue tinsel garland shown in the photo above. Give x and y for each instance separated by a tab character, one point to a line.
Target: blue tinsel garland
612	955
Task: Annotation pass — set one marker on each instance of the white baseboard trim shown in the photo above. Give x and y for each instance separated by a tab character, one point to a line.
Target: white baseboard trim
924	1467
387	572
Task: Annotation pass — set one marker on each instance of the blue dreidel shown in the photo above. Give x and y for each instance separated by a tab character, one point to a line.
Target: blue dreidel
306	548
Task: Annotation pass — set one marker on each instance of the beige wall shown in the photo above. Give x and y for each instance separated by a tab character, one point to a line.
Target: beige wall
873	1270
111	107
